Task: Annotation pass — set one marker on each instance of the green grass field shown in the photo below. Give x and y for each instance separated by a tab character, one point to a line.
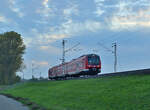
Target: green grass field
1	87
111	93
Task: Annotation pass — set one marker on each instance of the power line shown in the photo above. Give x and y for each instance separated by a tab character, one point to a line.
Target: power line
63	55
64	52
107	49
114	52
115	56
72	47
110	37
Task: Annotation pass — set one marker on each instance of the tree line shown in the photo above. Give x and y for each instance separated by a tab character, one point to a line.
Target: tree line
12	49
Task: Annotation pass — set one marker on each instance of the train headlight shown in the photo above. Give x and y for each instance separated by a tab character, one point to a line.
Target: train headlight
98	66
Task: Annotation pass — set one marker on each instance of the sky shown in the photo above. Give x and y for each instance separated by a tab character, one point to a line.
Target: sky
93	24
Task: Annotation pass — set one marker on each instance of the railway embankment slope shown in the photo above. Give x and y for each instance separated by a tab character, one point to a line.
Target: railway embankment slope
104	93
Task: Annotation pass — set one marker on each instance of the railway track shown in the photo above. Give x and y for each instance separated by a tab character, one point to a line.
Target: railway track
124	73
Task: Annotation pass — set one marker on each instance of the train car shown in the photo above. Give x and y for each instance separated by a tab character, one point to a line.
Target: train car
85	65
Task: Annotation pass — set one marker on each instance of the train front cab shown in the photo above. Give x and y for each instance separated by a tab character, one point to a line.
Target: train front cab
93	64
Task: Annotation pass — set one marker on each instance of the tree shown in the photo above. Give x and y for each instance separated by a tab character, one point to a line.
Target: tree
17	79
12	49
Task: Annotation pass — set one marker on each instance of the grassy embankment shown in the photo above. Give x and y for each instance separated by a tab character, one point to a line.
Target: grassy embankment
111	93
2	87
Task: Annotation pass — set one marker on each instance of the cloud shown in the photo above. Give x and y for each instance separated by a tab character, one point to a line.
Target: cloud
71	10
45	3
44	40
99	12
50	49
100	0
75	28
50	38
3	19
43	63
145	3
18	11
99	7
37	64
15	8
126	3
124	8
45	10
41	39
65	30
128	18
28	41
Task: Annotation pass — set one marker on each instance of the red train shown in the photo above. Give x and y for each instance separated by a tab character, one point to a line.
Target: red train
85	65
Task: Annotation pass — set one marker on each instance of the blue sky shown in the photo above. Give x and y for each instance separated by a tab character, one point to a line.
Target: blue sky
44	23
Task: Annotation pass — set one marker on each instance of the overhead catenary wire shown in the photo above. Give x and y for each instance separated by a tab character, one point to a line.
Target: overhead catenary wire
106	48
64	52
129	34
114	52
72	47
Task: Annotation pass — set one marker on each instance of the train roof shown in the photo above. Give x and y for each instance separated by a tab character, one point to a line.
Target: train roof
75	59
89	55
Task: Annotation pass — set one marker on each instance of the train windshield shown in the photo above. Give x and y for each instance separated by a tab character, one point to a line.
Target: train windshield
93	60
